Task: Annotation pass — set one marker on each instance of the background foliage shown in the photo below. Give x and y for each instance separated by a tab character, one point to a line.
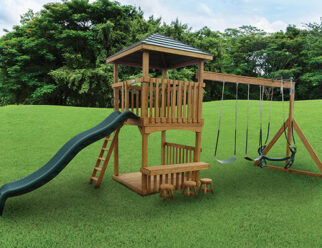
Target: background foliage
57	56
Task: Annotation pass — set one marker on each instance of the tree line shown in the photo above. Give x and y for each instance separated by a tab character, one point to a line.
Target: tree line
57	56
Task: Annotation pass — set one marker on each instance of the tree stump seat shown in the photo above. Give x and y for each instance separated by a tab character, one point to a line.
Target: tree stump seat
207	183
191	188
166	189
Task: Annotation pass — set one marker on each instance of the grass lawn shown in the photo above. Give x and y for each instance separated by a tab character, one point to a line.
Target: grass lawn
251	207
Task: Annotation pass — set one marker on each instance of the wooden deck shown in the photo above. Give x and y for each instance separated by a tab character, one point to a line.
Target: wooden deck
131	180
134	181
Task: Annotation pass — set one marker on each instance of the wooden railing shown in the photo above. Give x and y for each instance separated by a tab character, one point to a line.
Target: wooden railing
178	154
160	100
175	174
127	96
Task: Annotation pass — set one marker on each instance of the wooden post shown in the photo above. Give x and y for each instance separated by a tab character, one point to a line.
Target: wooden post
291	119
200	89
116	156
144	98
163	137
116	107
197	147
144	159
164	73
163	133
116	90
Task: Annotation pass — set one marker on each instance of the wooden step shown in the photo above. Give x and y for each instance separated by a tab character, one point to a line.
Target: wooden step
105	149
94	178
102	159
98	168
108	139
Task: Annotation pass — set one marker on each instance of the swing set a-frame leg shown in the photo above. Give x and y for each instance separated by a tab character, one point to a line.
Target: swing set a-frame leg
307	145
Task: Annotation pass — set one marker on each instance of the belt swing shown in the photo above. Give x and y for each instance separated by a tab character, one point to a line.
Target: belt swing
232	159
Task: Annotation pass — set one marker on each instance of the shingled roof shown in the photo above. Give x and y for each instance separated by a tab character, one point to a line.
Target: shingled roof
165	52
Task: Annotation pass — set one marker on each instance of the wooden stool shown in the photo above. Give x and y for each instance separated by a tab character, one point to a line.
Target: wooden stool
190	186
205	182
166	188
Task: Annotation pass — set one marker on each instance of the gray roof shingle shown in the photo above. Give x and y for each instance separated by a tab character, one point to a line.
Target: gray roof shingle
164	41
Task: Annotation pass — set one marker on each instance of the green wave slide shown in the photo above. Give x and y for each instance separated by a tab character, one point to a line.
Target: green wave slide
60	160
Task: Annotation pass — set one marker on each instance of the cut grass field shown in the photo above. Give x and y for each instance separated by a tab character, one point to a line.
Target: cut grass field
251	207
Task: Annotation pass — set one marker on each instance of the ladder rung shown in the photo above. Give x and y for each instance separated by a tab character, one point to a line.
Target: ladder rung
105	149
94	178
108	139
97	168
102	159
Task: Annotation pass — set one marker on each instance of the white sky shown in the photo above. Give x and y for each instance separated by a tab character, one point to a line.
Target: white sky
269	15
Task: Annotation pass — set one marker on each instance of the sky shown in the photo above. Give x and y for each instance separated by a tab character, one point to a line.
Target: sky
269	15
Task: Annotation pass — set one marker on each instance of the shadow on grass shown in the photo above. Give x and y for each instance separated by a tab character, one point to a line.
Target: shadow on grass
236	184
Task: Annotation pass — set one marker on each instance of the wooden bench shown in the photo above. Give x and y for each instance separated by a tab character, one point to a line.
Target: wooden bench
175	174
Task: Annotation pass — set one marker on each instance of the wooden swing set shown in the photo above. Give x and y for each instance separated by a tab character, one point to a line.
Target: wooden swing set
163	104
288	125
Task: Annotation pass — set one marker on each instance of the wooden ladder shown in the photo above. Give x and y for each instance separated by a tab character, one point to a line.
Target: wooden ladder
105	160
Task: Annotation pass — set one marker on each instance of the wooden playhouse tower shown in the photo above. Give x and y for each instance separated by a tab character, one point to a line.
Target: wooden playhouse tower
162	104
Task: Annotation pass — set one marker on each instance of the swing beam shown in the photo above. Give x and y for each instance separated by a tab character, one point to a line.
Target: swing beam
229	78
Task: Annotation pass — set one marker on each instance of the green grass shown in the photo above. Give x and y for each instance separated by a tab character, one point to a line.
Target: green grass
252	207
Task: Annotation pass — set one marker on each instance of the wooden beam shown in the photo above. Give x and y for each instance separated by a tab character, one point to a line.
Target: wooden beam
307	145
123	54
307	173
138	65
184	64
174	168
229	78
177	52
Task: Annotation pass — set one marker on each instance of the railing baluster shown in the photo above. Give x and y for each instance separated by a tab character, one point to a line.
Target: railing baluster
168	101
182	179
149	184
177	181
163	108
185	103
189	103
177	155
156	105
195	102
151	100
155	183
179	101
173	102
137	93
122	96
132	99
168	150
126	88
